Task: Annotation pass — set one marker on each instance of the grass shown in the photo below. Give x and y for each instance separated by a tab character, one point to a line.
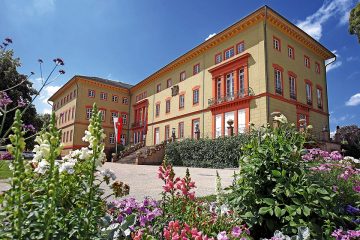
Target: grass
5	171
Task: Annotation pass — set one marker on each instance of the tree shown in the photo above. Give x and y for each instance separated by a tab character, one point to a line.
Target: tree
350	140
354	21
17	92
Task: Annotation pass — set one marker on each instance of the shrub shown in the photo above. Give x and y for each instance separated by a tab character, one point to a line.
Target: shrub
350	140
214	153
274	191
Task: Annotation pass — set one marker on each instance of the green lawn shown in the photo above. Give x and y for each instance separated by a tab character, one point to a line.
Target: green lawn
5	172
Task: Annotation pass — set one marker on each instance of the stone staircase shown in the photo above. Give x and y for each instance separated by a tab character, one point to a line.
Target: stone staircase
152	155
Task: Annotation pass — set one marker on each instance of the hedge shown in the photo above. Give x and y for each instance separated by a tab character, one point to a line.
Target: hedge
223	152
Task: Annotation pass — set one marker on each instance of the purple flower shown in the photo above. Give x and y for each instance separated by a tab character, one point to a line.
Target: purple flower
4	99
352	210
21	102
29	128
307	157
236	231
356	189
5	156
222	236
335	155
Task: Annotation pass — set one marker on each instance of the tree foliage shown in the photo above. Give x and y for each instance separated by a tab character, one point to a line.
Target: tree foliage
350	140
9	77
354	21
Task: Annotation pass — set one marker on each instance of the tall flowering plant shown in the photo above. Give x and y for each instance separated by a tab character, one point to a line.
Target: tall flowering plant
51	198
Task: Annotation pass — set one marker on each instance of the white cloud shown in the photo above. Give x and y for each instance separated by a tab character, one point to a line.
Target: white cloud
332	133
41	7
351	58
313	24
46	111
343	118
335	64
354	100
47	92
210	36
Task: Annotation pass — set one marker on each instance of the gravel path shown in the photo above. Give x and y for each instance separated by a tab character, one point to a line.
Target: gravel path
143	180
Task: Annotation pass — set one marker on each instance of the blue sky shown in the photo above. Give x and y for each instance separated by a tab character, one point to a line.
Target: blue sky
129	40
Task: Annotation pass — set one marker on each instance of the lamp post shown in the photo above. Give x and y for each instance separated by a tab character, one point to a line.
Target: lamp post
197	132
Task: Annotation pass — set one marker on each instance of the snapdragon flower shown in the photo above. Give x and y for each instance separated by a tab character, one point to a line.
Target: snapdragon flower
42	167
67	167
108	173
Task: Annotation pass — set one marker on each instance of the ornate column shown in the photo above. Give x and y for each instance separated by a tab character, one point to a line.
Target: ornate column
223	124
214	87
236	122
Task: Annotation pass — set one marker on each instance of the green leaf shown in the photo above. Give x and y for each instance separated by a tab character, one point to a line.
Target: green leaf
296	201
264	210
306	211
322	191
248	215
276	173
269	201
277	211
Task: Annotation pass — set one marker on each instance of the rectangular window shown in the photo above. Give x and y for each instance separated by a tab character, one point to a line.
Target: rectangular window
112	138
181	101
319	97
240	47
74	93
124	118
65	116
169	83
276	44
291	52
317	67
158	87
167	107
157	110
228	53
218	58
218	125
167	132
308	89
114	98
181	130
103	114
307	61
194	127
241	82
196	68
71	133
125	100
278	82
103	96
73	113
123	139
182	76
67	136
218	88
114	115
195	96
91	93
292	85
230	85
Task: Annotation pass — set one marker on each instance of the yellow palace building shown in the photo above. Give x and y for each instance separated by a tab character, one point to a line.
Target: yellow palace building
261	64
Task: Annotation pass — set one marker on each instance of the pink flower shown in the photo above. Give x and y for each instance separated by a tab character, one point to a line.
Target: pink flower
222	236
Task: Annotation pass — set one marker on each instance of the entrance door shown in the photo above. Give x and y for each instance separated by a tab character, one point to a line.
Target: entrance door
157	136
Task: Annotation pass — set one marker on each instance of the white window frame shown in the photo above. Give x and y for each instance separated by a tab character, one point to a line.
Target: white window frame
112	138
103	114
124	118
167	106
91	93
229	53
196	96
88	113
103	96
115	98
181	101
125	100
241	47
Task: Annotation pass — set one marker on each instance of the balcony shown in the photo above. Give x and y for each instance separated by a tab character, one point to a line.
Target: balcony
138	124
230	97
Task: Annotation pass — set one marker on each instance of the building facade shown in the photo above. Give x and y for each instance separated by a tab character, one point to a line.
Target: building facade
259	65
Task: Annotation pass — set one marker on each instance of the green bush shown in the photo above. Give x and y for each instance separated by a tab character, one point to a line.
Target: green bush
222	152
274	191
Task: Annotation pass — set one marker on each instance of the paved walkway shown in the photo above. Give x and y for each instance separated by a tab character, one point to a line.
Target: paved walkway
143	180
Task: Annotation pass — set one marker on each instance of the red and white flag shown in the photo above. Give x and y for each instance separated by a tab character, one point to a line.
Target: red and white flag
118	124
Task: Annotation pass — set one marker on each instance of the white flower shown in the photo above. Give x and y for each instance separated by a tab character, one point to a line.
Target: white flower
108	173
281	118
42	167
68	167
85	153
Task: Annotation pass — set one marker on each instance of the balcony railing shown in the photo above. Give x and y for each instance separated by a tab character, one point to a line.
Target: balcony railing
230	97
138	124
279	90
292	95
